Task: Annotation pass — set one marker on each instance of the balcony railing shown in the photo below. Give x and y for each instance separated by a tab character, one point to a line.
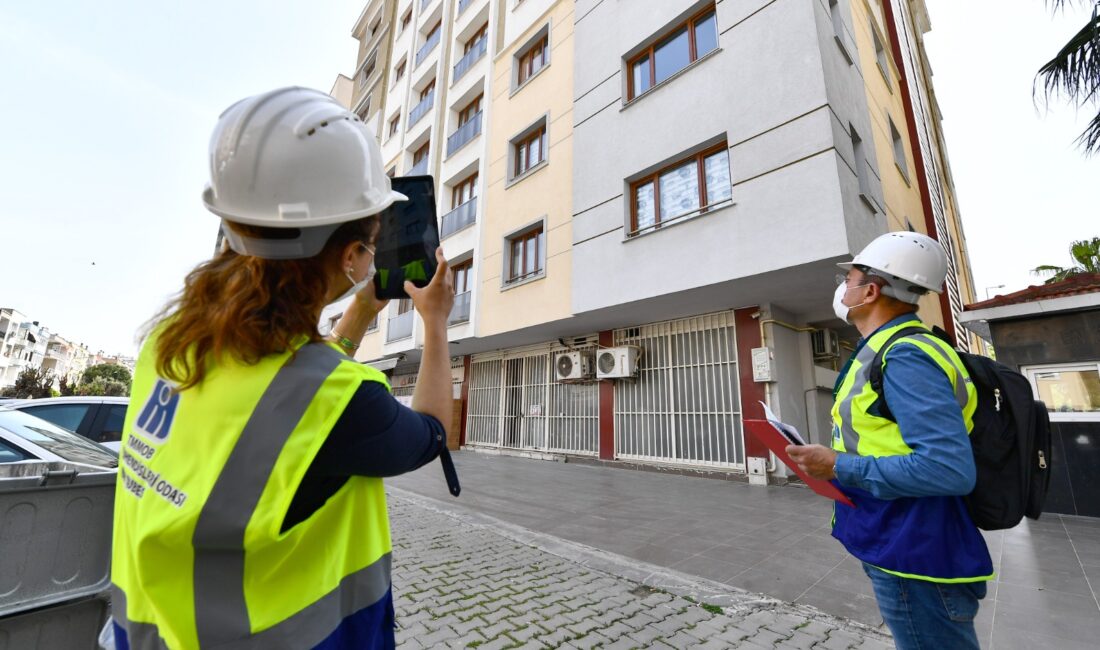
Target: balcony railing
457	219
420	168
428	46
468	131
421	109
400	327
470	58
460	313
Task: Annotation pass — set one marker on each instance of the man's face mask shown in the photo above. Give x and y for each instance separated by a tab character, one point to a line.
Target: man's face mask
839	308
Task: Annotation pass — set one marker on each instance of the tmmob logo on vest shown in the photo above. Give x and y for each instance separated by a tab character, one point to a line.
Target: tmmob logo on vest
156	416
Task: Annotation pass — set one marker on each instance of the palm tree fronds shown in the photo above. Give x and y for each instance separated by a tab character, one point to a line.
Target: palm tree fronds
1087	254
1075	70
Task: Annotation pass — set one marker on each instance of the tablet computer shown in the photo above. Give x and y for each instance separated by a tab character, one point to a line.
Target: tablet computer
408	239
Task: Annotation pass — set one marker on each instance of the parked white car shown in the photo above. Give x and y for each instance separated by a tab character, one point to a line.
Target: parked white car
96	418
25	437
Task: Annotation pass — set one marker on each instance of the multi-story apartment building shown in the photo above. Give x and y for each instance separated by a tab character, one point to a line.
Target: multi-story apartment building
672	181
22	345
65	359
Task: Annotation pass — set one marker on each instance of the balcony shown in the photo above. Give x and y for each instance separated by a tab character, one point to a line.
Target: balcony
421	109
420	168
470	58
459	218
460	313
428	46
464	134
400	327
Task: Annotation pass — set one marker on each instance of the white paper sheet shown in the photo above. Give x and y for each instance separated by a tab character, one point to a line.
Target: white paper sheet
789	432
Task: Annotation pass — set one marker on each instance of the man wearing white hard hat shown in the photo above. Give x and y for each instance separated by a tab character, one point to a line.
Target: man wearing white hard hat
904	458
250	511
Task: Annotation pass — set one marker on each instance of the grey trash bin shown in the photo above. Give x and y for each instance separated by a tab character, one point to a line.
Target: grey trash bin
55	534
73	625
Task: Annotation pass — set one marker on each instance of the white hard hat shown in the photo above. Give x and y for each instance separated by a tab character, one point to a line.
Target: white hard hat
913	264
293	158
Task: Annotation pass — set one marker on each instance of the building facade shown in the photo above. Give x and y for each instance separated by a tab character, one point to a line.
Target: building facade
645	203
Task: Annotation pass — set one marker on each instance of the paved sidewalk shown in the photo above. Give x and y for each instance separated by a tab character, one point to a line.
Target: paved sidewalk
463	580
774	541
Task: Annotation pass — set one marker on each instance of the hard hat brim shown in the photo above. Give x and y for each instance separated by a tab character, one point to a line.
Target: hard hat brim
265	221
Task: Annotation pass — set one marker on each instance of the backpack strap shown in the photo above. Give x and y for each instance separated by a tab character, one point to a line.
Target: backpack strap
876	367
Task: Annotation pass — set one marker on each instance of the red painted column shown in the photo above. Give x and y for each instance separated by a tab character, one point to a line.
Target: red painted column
607	407
465	399
752	393
918	153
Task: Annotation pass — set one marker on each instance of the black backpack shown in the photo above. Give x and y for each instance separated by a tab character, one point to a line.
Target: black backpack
1011	439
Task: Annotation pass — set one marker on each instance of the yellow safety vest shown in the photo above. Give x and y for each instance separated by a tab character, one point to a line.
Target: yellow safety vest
205	480
927	538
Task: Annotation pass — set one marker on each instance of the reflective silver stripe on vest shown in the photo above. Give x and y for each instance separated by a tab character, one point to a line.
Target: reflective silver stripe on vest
865	358
221	613
961	394
847	432
313	624
141	636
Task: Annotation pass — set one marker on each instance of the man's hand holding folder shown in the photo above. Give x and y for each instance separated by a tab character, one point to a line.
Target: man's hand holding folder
815	460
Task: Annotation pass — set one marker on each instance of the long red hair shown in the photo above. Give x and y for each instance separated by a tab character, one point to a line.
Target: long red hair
246	307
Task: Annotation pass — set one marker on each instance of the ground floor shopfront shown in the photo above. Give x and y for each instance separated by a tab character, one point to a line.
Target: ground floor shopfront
684	407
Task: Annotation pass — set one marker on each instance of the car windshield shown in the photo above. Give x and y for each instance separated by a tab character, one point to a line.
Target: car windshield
64	443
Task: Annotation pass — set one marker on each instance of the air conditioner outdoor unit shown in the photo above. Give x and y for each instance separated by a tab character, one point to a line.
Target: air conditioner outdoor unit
615	363
572	365
826	344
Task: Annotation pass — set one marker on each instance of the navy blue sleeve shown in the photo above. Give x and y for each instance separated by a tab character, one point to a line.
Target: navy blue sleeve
380	437
922	400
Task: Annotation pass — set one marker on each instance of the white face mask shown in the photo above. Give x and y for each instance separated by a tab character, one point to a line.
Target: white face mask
356	287
839	308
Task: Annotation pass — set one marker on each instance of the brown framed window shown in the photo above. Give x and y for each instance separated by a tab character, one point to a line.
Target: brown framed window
395	124
427	90
687	187
530	150
368	70
533	60
673	52
373	325
406	19
470	111
463	276
525	254
474	40
421	153
464	191
399	72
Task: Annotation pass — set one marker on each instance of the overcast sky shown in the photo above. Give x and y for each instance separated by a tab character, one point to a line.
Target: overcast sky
108	108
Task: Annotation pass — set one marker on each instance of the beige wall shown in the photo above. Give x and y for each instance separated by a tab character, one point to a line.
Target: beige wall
543	194
900	190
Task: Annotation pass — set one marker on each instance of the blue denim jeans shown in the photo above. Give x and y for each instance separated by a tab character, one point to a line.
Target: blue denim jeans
926	615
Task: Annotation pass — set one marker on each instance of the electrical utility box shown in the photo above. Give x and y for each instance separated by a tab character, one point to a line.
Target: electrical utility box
762	367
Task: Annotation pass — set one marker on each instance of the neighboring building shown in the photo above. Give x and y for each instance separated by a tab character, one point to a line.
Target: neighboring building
343	90
23	345
1051	333
672	179
67	360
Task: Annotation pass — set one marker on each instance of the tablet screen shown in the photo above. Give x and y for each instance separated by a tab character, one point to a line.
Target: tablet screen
407	239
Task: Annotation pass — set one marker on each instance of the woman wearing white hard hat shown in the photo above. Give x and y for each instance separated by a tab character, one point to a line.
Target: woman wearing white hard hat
250	511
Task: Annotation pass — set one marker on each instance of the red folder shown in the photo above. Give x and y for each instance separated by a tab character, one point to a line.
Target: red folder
766	433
